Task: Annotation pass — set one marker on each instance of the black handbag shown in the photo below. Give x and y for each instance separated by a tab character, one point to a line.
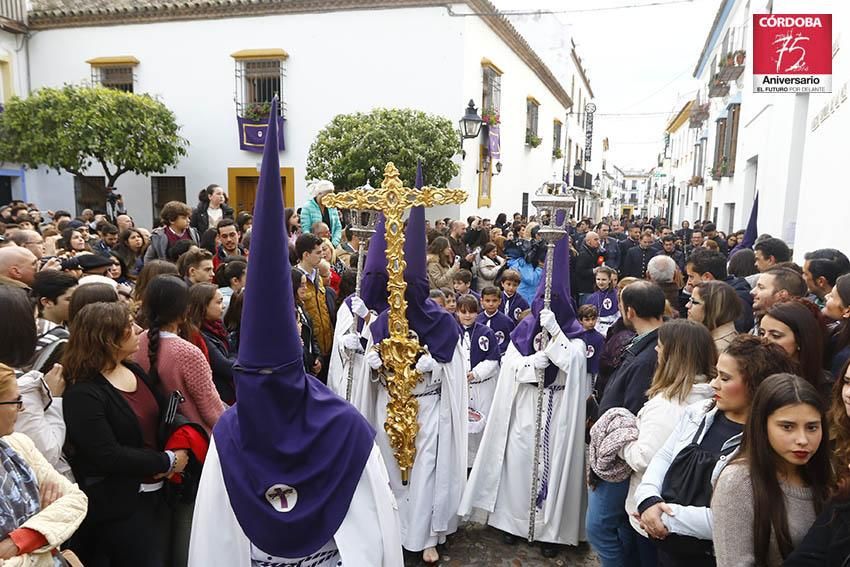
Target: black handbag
187	490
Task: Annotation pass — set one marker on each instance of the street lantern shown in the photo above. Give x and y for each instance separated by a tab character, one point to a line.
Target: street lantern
553	201
596	181
470	124
577	171
363	221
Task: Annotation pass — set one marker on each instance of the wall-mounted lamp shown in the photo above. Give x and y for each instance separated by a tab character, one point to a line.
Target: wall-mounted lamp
470	125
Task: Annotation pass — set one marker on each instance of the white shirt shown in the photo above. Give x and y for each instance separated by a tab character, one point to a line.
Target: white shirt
214	216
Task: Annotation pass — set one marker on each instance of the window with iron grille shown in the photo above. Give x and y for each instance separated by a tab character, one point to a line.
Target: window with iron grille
120	78
89	193
166	188
492	95
532	108
257	83
556	137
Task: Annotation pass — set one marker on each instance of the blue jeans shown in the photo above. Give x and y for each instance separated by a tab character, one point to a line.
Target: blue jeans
608	528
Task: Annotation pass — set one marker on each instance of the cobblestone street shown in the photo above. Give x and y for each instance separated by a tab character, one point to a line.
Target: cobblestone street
477	545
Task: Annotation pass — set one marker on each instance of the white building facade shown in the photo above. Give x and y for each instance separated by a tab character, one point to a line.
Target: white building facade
744	143
13	81
338	58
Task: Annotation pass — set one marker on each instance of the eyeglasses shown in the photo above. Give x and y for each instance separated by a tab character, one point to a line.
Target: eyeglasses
19	402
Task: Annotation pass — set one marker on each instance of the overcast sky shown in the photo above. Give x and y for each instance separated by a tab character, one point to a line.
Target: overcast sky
639	60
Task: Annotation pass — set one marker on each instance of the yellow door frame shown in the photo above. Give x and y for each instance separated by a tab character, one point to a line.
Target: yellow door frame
287	173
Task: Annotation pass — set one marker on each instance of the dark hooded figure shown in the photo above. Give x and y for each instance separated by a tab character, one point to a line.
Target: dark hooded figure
292	474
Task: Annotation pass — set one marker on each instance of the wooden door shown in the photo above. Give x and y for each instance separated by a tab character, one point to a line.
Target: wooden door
246	193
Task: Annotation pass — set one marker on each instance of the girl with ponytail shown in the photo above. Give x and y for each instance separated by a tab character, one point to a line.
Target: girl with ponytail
172	362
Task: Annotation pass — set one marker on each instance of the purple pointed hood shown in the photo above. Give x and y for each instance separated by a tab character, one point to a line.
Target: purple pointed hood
373	287
523	336
435	326
291	451
752	231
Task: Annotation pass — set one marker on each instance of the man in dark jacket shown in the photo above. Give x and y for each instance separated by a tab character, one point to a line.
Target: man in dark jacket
457	243
609	246
637	257
631	241
668	248
704	265
685	232
586	261
710	231
642	306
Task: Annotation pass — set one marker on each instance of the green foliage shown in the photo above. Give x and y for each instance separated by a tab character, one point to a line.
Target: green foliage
532	140
74	127
258	112
346	150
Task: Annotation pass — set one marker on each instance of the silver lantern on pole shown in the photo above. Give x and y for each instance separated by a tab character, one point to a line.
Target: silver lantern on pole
554	201
363	223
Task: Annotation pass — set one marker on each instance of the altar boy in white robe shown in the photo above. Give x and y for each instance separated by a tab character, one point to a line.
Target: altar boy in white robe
481	357
499	488
428	503
349	347
293	475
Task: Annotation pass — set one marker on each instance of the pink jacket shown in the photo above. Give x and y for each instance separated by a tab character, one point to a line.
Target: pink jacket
182	366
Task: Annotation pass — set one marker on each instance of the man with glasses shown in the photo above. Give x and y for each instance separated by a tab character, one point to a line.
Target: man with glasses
29	239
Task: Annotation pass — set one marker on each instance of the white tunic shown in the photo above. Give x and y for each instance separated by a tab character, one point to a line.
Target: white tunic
363	395
482	387
500	483
369	534
428	504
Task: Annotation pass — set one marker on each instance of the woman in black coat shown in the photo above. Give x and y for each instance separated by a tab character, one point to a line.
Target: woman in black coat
203	218
113	415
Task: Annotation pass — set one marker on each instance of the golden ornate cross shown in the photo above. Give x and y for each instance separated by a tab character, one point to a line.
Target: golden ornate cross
399	350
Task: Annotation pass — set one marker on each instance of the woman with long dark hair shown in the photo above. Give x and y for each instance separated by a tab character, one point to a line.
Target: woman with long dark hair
173	362
837	310
828	540
797	327
230	276
72	243
131	248
293	225
674	496
767	498
152	269
112	412
212	207
206	309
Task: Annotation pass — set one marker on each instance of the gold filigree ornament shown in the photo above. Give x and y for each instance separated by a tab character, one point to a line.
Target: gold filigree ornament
400	349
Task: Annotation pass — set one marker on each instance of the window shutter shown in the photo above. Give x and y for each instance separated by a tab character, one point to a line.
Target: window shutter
731	149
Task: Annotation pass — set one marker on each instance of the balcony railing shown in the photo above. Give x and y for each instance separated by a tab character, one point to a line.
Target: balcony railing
13	15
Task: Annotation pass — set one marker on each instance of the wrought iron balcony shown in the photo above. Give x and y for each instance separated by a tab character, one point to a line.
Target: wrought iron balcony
13	15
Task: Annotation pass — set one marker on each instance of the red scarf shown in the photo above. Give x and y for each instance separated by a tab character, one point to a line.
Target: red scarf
217	329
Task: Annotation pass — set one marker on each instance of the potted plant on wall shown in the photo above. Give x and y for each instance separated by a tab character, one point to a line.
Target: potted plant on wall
257	112
490	116
557	153
532	139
